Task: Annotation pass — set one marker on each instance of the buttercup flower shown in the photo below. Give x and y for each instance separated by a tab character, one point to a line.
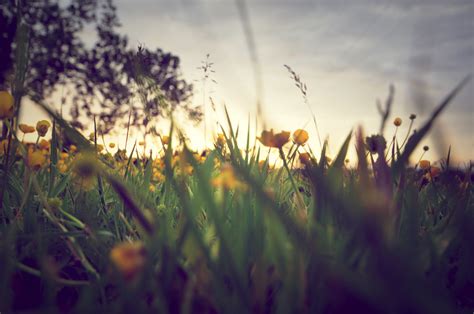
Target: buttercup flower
128	258
35	159
6	105
165	140
397	121
220	140
44	144
269	139
424	164
300	137
227	179
25	128
304	158
42	127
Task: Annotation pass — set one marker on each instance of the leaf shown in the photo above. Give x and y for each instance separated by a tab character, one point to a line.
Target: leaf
341	156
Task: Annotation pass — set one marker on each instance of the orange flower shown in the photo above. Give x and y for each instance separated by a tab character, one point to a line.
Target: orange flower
128	258
25	128
165	140
424	164
42	127
44	144
35	159
305	158
300	136
220	141
269	139
397	121
6	105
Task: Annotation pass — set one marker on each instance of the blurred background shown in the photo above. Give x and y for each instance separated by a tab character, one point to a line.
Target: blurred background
346	52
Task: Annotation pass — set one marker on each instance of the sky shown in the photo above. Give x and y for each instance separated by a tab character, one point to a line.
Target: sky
347	52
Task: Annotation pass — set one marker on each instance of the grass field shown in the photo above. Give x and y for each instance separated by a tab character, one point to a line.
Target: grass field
226	230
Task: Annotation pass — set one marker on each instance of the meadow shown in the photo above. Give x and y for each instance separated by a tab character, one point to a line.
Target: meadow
228	230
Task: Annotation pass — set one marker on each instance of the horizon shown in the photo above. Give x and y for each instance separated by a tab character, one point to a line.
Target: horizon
347	58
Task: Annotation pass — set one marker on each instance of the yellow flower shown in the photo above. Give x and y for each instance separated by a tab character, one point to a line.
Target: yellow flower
25	128
269	139
300	136
227	179
397	121
61	166
304	158
42	127
112	145
165	140
64	155
73	148
152	188
129	259
6	105
424	164
157	176
220	140
44	144
35	159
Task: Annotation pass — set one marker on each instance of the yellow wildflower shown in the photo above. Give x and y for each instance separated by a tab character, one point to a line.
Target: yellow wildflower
6	105
165	140
73	148
128	258
25	128
300	137
269	139
304	158
424	164
397	122
61	166
220	140
42	127
44	144
227	179
35	159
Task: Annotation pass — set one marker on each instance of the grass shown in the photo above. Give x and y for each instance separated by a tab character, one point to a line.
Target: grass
224	231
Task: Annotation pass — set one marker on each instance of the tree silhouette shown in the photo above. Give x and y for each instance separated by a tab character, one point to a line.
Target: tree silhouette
105	78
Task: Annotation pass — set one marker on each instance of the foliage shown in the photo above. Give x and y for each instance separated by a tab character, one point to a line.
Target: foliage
104	77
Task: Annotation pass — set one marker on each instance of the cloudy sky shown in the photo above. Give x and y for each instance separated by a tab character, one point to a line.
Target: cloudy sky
347	52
